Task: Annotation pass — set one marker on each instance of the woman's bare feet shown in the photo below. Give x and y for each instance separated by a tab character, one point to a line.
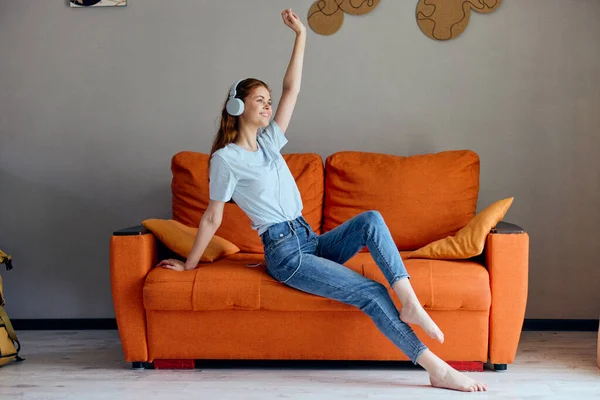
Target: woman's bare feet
454	380
441	375
413	313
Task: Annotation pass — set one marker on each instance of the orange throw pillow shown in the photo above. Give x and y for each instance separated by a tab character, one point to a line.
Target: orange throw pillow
180	239
470	240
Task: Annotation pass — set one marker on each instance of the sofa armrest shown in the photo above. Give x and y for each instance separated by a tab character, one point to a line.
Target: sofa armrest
132	231
132	256
507	228
507	260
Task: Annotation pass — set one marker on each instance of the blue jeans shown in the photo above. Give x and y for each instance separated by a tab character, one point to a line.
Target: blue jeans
298	257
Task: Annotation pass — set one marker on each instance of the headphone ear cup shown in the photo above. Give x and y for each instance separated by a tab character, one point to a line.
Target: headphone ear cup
235	107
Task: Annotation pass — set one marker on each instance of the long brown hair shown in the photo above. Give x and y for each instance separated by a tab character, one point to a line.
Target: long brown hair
228	131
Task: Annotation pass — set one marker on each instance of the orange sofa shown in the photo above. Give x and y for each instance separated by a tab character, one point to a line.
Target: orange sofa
226	310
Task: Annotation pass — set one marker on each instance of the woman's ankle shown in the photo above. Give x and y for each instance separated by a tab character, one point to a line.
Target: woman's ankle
405	292
434	365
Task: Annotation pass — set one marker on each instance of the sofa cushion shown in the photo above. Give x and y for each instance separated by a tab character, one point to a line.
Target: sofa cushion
180	239
439	285
223	285
191	196
169	290
229	284
469	241
422	198
443	284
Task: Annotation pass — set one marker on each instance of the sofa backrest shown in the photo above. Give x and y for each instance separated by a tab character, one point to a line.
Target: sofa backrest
191	195
422	198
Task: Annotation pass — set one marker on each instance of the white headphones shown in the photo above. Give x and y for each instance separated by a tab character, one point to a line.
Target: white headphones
234	105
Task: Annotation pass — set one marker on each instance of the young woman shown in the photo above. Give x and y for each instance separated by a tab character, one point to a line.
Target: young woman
246	165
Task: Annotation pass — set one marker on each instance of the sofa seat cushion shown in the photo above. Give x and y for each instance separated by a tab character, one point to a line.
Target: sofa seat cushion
443	285
229	284
223	285
439	285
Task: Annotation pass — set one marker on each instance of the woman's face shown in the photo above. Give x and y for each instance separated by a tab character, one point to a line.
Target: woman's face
257	107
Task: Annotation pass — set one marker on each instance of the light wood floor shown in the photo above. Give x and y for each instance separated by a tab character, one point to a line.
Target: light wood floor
89	365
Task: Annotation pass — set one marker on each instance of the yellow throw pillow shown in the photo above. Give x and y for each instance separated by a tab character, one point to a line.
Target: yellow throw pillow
180	239
470	240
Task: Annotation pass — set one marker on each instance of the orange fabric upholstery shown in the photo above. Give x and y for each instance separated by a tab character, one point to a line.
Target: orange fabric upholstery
507	260
421	198
229	284
226	310
443	285
180	239
191	195
224	284
131	258
470	240
303	335
166	291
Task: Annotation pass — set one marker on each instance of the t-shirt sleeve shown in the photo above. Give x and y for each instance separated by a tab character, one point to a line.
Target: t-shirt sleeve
273	136
222	180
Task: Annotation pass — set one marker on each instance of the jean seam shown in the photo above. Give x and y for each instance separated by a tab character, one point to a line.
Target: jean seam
387	265
394	277
341	240
420	351
415	348
397	278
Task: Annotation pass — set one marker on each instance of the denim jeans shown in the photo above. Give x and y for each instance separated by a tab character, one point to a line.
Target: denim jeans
300	258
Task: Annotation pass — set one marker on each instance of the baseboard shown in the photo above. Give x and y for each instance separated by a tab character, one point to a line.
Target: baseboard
111	323
583	325
64	324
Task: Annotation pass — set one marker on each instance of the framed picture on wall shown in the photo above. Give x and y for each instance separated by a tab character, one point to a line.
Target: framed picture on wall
98	3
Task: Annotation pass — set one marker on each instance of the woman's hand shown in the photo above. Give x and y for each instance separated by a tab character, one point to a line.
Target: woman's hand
175	265
292	20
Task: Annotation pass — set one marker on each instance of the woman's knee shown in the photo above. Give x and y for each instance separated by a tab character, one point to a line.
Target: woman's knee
375	292
372	220
365	294
372	217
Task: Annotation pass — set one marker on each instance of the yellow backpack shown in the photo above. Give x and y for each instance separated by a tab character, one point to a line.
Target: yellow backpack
9	344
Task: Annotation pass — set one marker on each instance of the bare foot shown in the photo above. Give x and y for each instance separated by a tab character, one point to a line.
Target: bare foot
415	314
449	378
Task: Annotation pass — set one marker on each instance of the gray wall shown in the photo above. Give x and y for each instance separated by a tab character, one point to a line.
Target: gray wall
93	104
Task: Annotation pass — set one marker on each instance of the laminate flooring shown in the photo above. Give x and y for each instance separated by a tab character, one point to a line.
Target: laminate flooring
89	365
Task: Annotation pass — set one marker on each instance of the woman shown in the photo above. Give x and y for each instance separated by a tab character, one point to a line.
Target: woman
246	165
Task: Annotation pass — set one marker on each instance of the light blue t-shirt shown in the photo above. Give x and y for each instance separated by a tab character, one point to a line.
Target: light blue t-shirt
259	182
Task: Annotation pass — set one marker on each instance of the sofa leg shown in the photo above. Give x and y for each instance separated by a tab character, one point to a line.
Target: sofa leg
500	367
142	365
137	365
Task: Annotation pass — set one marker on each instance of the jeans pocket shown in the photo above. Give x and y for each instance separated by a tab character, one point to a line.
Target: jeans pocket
277	257
278	234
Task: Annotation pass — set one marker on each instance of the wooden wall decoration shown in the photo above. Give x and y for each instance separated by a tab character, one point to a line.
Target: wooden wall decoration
326	17
97	3
446	19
